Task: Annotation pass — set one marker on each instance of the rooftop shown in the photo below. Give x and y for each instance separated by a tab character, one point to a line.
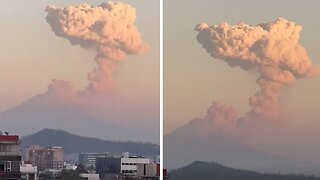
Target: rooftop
9	138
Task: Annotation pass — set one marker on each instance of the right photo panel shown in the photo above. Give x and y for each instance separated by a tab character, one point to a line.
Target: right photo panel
241	90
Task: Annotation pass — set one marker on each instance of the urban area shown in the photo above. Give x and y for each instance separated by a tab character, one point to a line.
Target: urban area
36	162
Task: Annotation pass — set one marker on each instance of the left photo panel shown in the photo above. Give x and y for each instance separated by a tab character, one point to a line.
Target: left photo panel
80	89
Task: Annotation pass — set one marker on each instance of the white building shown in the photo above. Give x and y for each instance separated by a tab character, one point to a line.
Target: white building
126	165
89	159
70	167
129	164
28	172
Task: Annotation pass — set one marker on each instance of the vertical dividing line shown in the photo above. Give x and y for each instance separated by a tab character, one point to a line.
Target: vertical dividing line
161	89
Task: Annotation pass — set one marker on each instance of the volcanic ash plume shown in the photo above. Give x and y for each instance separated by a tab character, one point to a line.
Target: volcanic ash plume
108	28
60	87
221	117
272	48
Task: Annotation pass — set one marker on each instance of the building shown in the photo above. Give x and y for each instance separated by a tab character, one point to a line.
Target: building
9	157
158	159
45	157
28	171
50	174
148	171
125	165
70	167
38	157
90	176
89	159
57	157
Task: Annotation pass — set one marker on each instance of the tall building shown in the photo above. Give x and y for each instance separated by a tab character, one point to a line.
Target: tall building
125	165
89	159
10	158
36	155
45	157
57	157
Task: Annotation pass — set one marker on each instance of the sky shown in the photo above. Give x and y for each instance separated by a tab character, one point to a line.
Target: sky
32	55
193	79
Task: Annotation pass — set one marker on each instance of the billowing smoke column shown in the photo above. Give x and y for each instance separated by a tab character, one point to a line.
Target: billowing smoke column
60	87
272	48
108	28
221	117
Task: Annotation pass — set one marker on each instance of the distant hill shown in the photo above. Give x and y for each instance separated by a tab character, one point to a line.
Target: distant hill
210	171
51	111
76	144
188	144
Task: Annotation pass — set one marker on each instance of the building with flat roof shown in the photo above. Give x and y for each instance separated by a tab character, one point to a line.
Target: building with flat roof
125	165
45	157
57	157
10	158
148	171
28	171
89	159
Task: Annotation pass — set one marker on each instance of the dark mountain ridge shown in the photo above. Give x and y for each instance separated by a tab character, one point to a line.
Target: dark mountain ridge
186	145
211	170
76	144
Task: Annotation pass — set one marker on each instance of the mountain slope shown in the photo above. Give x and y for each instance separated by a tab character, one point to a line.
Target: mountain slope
186	145
43	111
210	170
76	144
